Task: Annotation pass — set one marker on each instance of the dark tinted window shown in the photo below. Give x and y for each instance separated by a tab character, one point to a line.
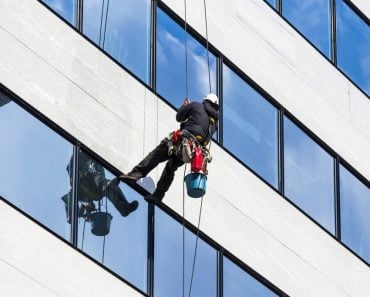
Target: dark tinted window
309	175
250	126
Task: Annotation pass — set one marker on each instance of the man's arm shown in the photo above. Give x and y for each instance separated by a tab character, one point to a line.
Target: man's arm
183	111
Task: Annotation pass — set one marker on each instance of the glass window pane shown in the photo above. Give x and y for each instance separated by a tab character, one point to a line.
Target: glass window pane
239	283
308	175
312	19
355	219
250	126
271	2
33	162
65	8
168	261
171	63
353	46
122	29
124	247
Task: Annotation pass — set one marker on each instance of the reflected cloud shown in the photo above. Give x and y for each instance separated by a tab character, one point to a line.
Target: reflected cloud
309	175
311	18
171	51
66	8
353	43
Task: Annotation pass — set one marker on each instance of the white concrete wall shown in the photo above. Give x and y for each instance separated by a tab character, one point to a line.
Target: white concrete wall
363	5
266	48
58	72
35	263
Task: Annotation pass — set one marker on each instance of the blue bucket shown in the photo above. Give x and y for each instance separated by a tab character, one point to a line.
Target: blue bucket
196	184
100	223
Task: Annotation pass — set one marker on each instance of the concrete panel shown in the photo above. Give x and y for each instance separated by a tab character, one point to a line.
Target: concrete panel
35	263
363	5
274	55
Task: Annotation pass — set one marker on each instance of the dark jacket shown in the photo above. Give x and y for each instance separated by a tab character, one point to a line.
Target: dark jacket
196	117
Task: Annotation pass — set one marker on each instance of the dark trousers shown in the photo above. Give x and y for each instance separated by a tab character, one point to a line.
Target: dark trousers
95	186
158	155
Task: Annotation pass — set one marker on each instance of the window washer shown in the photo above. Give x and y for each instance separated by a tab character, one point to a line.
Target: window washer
198	120
93	186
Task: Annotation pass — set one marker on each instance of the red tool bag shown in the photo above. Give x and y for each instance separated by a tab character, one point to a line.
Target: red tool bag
197	160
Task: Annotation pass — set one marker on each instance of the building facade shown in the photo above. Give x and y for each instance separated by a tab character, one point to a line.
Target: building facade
89	87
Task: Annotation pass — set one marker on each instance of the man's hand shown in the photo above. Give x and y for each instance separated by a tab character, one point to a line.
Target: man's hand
186	101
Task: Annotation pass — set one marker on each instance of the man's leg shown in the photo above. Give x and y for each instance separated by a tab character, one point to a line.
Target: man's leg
115	195
166	179
158	155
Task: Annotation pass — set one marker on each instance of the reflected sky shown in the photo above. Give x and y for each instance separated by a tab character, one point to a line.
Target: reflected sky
171	63
125	247
123	31
168	261
33	162
272	2
238	283
312	19
309	175
355	219
250	126
65	8
353	46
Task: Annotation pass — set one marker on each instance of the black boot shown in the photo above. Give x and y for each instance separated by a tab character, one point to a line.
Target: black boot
129	208
130	177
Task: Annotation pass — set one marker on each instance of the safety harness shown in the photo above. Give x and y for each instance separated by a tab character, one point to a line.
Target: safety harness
190	148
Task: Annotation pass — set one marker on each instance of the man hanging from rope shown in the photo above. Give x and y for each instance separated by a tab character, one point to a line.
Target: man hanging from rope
199	120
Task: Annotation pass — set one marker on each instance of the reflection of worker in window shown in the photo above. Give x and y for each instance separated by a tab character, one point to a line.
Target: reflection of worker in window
93	186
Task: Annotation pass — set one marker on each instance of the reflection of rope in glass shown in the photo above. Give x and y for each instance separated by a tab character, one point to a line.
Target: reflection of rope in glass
209	71
101	20
105	26
183	233
186	54
106	209
83	236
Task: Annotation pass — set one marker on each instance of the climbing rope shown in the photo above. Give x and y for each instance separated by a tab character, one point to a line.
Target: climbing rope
196	245
183	185
209	68
186	54
183	233
201	203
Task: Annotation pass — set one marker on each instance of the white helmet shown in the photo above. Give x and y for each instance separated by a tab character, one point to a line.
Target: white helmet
212	97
